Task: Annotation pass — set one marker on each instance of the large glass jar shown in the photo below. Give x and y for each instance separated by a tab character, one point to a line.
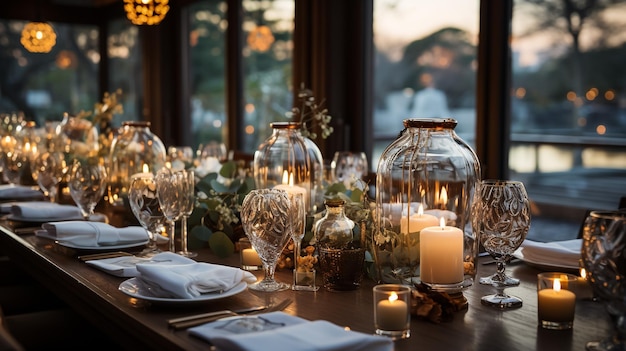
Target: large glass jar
283	159
134	150
427	174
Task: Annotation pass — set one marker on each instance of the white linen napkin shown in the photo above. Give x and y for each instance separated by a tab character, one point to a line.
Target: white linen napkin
19	192
564	253
187	281
126	266
92	234
278	331
44	211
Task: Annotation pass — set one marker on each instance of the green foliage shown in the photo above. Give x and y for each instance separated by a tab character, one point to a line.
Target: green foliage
215	221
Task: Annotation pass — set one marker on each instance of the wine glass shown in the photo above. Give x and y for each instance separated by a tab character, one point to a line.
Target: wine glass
266	216
142	196
501	219
15	162
169	194
187	204
87	184
348	166
604	258
297	230
47	169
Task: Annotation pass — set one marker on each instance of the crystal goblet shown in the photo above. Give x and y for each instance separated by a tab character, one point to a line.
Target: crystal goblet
266	216
348	166
142	196
604	258
88	179
501	219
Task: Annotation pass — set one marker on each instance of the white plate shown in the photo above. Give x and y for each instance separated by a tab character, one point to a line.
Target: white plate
543	265
135	288
44	234
101	248
14	218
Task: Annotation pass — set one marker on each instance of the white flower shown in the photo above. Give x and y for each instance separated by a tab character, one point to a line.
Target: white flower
208	165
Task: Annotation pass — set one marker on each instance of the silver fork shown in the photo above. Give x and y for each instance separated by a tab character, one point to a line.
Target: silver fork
192	321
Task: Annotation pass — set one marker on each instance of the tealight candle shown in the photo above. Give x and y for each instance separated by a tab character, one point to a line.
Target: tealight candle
441	250
250	259
555	304
391	310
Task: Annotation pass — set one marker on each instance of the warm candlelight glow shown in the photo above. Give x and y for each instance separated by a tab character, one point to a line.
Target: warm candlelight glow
146	168
393	296
287	178
420	210
557	285
583	273
443	197
442	223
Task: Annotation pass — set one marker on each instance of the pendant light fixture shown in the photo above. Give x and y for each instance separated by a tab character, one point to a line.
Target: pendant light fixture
146	12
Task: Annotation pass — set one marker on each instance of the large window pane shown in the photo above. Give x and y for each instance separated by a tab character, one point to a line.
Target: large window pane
207	41
425	65
45	85
267	54
568	111
125	70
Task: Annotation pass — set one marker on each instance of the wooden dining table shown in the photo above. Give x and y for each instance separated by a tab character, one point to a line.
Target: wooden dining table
136	324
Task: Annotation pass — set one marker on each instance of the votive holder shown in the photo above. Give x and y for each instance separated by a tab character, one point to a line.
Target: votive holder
249	258
556	301
392	311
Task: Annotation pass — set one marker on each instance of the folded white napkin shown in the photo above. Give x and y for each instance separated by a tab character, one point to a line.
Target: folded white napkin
43	211
19	192
187	281
126	266
278	331
92	234
557	253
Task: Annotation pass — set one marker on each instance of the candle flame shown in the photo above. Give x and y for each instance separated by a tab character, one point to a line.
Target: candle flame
146	169
442	222
420	210
287	178
393	297
557	285
443	197
583	273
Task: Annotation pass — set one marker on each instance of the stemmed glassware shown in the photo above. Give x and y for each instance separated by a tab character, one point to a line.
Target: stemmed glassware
144	203
48	169
501	219
266	216
297	233
348	166
187	204
170	198
604	258
88	179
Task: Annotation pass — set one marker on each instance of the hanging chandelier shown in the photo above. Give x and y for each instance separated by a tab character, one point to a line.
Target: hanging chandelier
38	37
148	12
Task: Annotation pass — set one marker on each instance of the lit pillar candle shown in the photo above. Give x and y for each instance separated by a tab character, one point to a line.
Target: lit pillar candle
289	187
417	222
441	251
556	304
391	314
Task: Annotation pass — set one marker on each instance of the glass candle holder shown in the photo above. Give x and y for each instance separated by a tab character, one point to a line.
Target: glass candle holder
392	310
556	301
250	260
